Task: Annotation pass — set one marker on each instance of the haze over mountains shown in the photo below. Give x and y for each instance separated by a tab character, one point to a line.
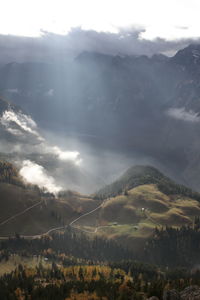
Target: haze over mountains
136	105
80	125
99	150
39	161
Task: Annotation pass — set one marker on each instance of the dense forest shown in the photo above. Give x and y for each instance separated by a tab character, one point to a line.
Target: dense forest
167	247
71	265
175	246
70	243
125	280
9	174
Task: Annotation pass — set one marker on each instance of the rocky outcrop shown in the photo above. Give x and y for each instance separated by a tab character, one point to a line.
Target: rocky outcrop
190	293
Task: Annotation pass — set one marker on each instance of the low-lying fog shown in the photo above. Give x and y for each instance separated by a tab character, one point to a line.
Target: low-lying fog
99	165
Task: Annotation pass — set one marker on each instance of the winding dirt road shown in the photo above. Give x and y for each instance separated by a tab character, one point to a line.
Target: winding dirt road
52	229
88	213
71	224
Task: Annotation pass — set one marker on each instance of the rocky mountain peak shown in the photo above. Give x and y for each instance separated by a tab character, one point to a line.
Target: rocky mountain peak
189	56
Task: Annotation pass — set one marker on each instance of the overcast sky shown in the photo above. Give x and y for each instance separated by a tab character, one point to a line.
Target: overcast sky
108	26
170	19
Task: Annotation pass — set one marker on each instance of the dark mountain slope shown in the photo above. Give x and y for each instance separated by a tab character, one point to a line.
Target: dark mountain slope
46	210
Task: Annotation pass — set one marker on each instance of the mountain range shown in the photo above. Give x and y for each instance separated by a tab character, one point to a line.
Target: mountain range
144	107
127	210
99	177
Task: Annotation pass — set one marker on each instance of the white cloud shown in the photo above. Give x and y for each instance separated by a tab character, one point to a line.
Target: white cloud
20	124
73	156
184	115
23	122
36	174
166	19
29	145
14	131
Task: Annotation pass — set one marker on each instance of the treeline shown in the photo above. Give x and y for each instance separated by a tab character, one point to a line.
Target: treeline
136	268
92	282
85	268
140	175
9	174
175	246
133	177
70	243
167	247
169	187
78	282
151	280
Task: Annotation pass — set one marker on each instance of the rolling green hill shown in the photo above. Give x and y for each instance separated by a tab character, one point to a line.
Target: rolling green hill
145	207
142	199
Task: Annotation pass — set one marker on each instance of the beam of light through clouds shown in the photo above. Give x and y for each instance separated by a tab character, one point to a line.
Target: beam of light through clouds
168	19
